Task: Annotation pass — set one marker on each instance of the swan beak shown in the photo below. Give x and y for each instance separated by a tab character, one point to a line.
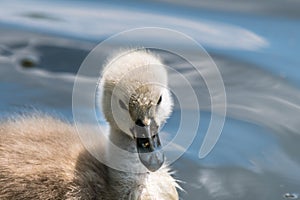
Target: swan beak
149	147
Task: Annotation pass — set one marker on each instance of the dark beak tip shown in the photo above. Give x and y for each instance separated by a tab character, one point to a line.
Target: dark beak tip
154	161
149	147
155	167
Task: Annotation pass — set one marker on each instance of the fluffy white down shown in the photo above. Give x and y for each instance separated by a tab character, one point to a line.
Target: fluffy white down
43	158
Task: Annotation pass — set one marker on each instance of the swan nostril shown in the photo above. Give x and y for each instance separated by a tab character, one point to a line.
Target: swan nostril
139	122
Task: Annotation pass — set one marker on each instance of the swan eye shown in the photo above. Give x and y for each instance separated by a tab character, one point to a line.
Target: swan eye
122	105
159	100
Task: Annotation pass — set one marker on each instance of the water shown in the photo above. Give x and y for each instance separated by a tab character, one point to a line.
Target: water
255	46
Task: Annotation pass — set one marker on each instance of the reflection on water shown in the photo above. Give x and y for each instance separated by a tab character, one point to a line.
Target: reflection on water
257	156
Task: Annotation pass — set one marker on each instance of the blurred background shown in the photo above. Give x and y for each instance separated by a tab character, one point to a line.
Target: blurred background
255	45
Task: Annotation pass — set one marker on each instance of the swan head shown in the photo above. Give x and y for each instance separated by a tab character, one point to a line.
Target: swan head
136	101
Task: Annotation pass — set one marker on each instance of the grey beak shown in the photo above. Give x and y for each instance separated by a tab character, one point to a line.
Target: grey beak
149	146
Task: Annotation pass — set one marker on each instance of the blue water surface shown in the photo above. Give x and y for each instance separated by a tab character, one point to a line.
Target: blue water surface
254	44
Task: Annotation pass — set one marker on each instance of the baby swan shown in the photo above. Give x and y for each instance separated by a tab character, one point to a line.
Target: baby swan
43	158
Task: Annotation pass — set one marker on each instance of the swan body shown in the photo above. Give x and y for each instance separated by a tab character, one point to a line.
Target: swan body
43	158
